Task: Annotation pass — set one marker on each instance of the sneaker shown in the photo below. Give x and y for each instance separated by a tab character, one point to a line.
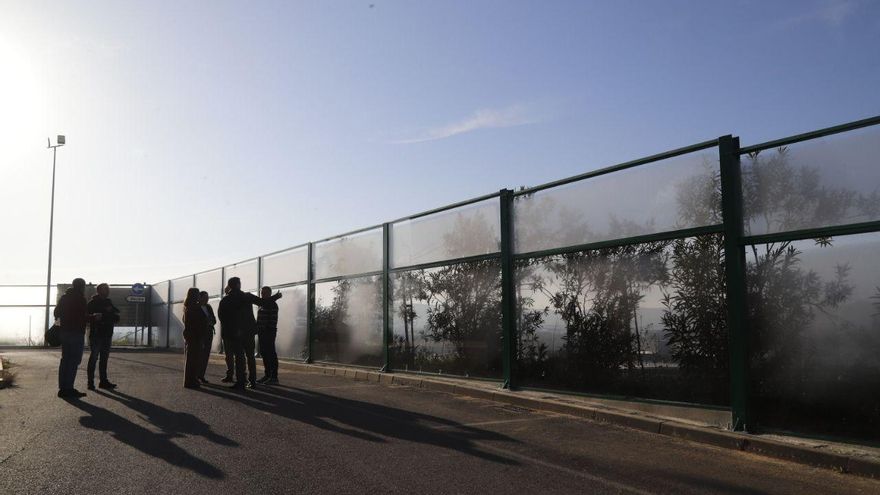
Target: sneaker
272	381
251	385
228	379
76	394
263	380
107	385
91	386
203	380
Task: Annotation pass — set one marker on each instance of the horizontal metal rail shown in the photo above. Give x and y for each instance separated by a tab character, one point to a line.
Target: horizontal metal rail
347	277
627	241
797	235
828	131
452	206
449	262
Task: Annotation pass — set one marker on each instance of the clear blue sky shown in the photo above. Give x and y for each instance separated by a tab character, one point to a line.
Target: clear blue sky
202	133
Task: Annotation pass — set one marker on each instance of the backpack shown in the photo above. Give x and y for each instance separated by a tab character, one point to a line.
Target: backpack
53	335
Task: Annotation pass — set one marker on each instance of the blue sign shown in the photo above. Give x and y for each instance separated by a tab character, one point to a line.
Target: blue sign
137	289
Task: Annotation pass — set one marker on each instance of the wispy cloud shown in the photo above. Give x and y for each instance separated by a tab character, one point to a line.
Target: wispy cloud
481	119
832	13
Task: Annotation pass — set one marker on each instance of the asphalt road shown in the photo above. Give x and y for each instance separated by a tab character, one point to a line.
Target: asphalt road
327	434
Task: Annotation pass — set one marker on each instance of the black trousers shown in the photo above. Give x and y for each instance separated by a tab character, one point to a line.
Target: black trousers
270	357
228	349
242	350
99	346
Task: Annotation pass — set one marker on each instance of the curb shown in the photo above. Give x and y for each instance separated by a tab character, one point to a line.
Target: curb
710	436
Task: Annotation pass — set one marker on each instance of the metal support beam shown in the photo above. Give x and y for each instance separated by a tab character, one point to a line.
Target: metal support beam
735	278
508	295
310	307
386	297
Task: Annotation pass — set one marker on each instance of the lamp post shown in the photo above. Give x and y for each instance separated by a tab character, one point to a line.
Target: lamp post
58	143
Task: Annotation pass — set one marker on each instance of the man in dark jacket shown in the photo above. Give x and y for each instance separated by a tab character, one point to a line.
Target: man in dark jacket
72	311
238	327
267	329
101	335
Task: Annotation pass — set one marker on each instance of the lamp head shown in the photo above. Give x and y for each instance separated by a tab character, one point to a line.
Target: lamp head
60	140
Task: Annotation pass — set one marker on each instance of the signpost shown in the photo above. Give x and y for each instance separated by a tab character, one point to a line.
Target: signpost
137	296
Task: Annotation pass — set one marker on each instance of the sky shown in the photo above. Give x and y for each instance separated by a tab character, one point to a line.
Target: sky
202	133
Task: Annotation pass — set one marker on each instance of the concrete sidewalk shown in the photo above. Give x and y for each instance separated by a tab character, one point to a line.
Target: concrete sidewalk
320	432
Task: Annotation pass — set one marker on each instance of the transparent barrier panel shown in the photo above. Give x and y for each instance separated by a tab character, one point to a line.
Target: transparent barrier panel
814	315
210	282
348	322
159	323
22	326
286	267
179	287
175	329
447	320
25	295
646	320
834	180
159	293
291	340
215	342
672	194
248	272
470	230
349	255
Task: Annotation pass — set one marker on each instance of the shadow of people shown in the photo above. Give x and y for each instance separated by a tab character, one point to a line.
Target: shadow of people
172	423
365	420
158	445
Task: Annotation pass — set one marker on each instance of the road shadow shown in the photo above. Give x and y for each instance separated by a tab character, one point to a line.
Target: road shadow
364	420
172	423
157	445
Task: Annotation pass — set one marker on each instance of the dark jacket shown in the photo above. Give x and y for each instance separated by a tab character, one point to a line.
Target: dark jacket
267	317
236	314
195	323
212	320
72	310
102	328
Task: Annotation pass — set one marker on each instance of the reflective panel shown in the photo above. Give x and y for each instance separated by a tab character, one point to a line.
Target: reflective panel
348	322
22	326
814	315
175	329
179	287
834	180
215	342
447	320
470	230
672	194
248	272
159	293
286	267
210	282
291	340
349	255
646	320
159	324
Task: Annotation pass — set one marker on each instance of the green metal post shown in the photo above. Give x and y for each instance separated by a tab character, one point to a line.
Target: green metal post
310	307
168	307
386	293
508	295
735	277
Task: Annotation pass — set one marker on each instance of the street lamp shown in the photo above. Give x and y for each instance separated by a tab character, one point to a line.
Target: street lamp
60	141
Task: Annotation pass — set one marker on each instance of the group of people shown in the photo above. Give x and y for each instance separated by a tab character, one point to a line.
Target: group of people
238	329
238	326
73	314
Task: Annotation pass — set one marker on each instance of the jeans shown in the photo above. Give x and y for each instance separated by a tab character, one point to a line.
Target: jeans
229	346
270	357
72	344
99	347
246	350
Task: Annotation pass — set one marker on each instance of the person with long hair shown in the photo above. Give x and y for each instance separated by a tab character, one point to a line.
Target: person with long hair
195	328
